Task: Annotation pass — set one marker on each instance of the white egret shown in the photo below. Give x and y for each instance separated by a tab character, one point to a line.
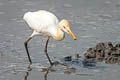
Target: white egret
45	23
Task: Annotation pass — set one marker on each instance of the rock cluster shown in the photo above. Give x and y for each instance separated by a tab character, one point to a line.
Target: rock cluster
104	52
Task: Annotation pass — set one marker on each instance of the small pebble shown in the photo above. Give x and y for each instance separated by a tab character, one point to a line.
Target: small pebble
67	72
100	46
68	58
76	56
43	69
108	44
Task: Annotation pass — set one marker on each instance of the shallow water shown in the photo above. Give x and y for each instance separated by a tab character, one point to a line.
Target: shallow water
92	21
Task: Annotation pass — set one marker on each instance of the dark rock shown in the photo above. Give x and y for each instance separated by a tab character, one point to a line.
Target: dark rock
100	53
108	52
109	45
104	52
117	46
76	57
112	60
100	59
88	63
89	55
100	46
90	49
116	53
68	58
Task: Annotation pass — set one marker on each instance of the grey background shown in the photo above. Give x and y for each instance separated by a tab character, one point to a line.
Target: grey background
92	21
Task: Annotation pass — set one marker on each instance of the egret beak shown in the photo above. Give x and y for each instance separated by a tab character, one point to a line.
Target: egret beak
72	35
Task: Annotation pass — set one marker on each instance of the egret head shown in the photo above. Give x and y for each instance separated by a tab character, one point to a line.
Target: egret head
65	26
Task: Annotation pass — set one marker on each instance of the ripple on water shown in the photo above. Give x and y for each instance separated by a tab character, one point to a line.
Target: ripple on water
12	1
86	36
1	25
14	19
68	5
25	10
19	21
2	12
28	3
1	4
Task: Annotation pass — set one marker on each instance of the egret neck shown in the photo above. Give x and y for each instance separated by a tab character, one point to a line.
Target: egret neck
59	34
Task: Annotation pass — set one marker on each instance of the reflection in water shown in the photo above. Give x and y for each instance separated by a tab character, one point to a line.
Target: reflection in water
46	70
45	76
27	72
78	61
68	69
89	64
50	69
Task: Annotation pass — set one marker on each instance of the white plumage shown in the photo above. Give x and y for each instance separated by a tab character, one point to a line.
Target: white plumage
40	20
46	24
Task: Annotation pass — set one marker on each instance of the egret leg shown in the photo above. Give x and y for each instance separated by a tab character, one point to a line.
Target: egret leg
26	47
46	46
